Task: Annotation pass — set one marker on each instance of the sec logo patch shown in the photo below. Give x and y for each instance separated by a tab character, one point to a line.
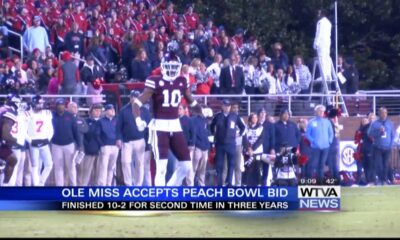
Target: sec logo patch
161	83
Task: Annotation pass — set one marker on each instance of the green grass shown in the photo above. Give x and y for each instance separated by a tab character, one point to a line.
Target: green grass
366	212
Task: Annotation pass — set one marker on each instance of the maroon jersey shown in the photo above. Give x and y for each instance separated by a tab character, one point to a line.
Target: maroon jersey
6	112
167	96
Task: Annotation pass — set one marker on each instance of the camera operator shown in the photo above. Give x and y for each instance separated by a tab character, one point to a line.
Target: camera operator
285	166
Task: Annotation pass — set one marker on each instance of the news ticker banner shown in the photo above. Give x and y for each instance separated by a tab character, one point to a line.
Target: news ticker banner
313	198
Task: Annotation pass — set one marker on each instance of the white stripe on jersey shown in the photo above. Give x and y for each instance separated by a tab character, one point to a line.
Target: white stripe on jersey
150	83
40	125
10	116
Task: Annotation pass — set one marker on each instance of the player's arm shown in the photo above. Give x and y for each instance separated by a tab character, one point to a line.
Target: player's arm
137	104
6	132
192	103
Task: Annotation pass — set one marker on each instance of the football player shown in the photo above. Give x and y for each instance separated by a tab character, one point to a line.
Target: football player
8	116
19	132
40	132
165	129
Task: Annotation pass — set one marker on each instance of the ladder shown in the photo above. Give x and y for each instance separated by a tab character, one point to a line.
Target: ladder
331	96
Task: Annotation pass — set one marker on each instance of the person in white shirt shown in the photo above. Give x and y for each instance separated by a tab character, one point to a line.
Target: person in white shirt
322	44
40	132
19	131
36	37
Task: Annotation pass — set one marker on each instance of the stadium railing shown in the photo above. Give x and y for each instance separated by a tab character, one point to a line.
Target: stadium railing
357	104
20	51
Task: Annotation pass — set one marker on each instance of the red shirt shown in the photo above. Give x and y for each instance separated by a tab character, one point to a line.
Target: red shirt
192	20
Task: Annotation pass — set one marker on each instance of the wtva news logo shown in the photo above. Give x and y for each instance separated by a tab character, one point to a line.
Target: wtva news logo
319	198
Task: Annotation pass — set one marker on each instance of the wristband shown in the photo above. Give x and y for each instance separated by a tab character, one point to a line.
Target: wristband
138	102
194	103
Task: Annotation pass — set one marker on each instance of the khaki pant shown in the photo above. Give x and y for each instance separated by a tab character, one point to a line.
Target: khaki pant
27	173
147	181
106	165
64	163
133	149
200	159
86	170
191	173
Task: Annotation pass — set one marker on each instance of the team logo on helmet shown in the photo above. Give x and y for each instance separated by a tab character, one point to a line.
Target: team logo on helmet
170	66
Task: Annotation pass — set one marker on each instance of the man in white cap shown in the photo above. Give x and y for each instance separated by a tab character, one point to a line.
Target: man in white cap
36	37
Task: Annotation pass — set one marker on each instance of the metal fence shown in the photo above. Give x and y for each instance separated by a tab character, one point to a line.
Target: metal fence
299	105
20	51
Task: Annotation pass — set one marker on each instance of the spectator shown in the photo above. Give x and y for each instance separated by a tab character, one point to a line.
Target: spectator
210	57
65	138
382	133
351	75
58	33
214	70
132	143
68	75
97	51
186	56
322	44
268	145
224	49
74	41
333	155
249	75
109	151
156	63
201	146
19	72
320	134
223	126
279	57
91	144
253	146
141	66
53	84
204	81
191	18
235	108
271	81
304	146
150	46
286	132
303	74
32	72
281	87
92	76
36	37
232	77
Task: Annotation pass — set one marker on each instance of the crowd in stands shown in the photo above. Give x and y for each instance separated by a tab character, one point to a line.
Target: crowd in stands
133	36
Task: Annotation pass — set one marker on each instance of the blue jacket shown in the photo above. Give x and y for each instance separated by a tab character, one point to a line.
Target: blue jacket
288	134
382	140
126	124
319	132
201	133
65	129
107	133
224	128
187	128
269	137
91	140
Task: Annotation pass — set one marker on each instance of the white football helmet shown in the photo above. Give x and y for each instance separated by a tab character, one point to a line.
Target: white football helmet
170	66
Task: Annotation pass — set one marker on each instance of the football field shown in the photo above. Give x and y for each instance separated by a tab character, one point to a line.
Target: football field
366	212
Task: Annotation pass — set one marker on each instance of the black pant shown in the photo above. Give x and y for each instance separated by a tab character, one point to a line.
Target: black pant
381	159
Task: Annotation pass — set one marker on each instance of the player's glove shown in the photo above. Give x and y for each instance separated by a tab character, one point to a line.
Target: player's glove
141	125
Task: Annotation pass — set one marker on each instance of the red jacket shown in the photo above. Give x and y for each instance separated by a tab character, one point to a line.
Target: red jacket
191	20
